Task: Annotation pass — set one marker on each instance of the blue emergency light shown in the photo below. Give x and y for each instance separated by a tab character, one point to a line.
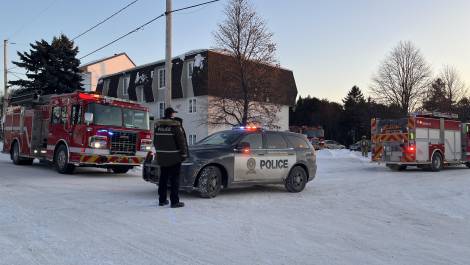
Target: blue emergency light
247	128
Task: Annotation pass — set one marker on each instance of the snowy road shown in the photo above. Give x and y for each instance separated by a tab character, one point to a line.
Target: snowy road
353	213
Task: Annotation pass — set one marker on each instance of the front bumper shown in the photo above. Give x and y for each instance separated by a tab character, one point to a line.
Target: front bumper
107	160
151	173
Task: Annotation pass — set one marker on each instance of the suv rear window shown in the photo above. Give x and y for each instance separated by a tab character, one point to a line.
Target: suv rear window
298	142
275	141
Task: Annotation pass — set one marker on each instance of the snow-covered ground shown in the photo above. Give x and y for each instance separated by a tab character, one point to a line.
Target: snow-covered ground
355	212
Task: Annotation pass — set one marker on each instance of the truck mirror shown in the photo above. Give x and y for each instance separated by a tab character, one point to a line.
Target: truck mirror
88	117
243	147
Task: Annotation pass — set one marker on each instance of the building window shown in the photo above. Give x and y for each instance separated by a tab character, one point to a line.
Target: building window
192	139
190	69
125	87
161	109
139	91
192	105
161	78
142	94
105	88
151	74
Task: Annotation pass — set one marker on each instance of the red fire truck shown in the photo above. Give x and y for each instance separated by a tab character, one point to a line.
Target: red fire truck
77	129
426	140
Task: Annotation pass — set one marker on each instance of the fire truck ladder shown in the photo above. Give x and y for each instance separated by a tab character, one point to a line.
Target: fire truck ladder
29	99
435	114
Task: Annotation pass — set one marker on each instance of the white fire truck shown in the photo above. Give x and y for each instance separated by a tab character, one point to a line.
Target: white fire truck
426	140
77	129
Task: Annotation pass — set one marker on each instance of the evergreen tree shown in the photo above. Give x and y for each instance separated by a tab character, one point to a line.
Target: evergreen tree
355	121
463	109
437	100
50	68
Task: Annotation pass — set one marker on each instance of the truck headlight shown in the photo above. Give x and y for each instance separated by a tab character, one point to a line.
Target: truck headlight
145	145
98	142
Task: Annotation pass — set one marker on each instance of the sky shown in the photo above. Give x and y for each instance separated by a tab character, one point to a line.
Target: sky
329	45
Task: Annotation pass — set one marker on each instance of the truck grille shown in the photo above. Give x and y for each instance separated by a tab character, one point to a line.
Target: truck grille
123	143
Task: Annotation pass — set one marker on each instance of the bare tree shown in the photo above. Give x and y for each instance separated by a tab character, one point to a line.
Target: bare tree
244	36
402	78
454	89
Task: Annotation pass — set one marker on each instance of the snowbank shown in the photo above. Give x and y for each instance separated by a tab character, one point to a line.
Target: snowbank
354	212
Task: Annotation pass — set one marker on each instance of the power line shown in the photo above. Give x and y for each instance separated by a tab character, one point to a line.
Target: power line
34	19
13	72
104	20
123	36
145	24
193	6
15	75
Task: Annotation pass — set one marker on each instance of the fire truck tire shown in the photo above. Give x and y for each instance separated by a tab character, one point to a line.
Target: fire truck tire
121	169
61	158
468	164
297	180
437	162
16	158
209	182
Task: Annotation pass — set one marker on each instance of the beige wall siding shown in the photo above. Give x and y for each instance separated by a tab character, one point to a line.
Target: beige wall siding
107	67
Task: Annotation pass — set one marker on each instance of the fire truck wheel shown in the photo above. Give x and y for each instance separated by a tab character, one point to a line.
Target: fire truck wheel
121	169
16	158
15	154
436	162
61	158
209	182
296	180
468	164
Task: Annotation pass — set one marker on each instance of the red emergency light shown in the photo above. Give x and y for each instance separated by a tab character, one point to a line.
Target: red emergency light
87	96
411	149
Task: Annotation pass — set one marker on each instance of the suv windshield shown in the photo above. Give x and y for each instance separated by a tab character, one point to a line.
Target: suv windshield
220	138
117	116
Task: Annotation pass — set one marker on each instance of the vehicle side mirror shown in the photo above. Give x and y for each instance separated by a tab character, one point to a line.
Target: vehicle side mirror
88	118
243	147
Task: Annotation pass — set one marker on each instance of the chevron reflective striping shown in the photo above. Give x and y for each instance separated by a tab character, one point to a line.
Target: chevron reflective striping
95	159
377	154
406	157
373	125
391	137
411	123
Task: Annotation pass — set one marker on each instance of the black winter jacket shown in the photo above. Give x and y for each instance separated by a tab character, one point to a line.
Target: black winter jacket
170	143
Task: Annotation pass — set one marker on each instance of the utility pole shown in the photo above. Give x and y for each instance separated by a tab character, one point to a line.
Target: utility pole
5	69
5	88
168	55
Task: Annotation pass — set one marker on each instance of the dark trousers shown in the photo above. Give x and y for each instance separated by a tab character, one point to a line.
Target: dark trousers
173	174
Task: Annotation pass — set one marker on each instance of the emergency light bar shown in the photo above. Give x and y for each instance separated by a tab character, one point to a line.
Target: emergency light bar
435	114
247	128
95	96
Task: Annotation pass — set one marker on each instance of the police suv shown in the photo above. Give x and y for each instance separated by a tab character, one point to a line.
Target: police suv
241	157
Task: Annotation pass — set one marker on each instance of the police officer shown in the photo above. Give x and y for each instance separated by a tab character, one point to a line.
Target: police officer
365	146
171	150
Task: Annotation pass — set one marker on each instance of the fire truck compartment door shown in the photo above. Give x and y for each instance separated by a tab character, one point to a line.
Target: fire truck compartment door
422	144
452	145
392	152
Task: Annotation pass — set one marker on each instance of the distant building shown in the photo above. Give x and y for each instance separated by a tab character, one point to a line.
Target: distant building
197	81
92	71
